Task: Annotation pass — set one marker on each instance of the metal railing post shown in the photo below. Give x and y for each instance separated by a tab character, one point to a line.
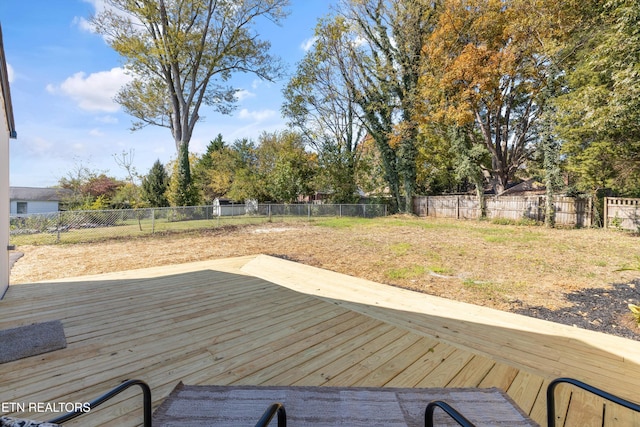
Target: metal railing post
551	405
58	227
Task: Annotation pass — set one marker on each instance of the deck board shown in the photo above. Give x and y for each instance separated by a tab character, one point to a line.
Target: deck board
265	321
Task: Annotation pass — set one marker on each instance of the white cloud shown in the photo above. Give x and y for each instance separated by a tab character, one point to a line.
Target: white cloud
37	146
84	24
244	94
96	132
258	116
94	92
308	43
109	120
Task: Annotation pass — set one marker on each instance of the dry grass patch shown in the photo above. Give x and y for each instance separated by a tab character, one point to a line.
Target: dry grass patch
515	268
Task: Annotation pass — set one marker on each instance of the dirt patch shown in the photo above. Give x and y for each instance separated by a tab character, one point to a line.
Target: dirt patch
578	277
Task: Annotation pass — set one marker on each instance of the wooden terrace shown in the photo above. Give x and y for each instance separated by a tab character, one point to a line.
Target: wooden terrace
261	320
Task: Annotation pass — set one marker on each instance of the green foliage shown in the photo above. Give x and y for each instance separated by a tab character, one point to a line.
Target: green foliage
284	166
635	310
215	171
319	104
155	185
181	54
486	68
522	221
182	191
381	66
411	272
87	186
600	114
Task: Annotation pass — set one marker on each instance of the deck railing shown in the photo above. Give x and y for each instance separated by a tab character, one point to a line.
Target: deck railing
146	394
449	410
551	404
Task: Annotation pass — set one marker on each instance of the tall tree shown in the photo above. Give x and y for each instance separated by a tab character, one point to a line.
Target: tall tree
213	171
178	194
285	168
383	39
599	116
486	69
155	185
319	104
181	54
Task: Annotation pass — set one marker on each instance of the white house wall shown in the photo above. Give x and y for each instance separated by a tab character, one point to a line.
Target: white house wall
34	207
4	196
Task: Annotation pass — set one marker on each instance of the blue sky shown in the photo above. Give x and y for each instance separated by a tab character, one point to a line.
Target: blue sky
63	79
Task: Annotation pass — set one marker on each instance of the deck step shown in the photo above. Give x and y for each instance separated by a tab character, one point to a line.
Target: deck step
348	406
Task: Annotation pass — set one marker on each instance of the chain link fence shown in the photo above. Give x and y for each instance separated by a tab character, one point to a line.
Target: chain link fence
93	225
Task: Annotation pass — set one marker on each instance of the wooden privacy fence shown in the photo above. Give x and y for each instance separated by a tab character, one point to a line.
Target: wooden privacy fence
622	213
569	211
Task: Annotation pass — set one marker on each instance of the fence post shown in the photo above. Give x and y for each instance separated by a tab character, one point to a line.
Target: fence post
58	228
308	212
153	220
605	214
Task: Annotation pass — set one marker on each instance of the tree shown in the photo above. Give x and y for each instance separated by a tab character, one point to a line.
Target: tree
75	181
91	190
382	42
180	54
285	169
215	171
128	195
155	185
486	68
319	104
177	193
246	182
599	116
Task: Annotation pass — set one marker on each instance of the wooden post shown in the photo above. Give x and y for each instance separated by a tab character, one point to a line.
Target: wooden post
605	214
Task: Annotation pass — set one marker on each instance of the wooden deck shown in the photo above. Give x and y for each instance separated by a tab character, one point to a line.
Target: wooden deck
266	321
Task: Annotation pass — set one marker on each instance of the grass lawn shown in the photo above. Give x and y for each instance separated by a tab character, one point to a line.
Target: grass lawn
529	269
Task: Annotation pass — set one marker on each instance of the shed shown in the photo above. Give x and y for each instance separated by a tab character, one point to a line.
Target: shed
33	200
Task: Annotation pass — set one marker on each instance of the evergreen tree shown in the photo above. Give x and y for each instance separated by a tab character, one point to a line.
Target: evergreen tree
155	185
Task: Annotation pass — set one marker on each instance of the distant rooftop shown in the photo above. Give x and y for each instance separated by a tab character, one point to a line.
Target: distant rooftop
38	194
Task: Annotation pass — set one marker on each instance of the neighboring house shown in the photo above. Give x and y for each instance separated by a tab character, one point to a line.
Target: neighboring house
31	200
7	132
530	187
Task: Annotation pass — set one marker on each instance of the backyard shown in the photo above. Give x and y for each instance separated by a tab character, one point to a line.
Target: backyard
582	277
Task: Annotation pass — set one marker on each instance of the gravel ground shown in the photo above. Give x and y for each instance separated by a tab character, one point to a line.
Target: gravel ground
597	309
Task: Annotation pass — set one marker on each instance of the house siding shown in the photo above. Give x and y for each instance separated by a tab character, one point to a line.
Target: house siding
34	207
7	131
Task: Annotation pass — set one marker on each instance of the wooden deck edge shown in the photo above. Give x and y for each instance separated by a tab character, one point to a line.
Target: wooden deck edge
459	321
